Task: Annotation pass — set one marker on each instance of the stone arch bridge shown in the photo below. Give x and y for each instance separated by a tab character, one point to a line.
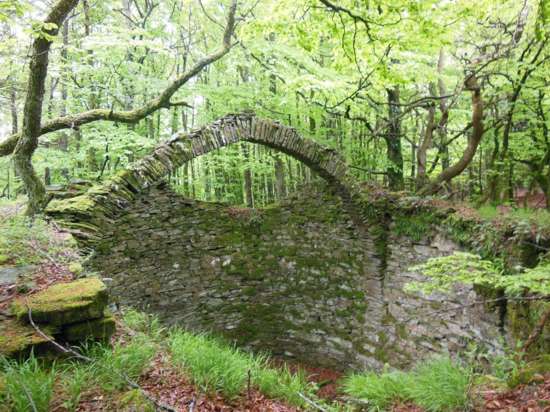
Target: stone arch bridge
300	279
87	214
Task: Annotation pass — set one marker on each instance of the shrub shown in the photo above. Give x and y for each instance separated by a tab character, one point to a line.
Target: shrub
28	385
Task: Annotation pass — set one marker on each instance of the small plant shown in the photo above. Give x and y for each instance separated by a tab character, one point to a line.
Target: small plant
114	367
144	323
74	380
215	366
28	385
438	385
416	226
282	384
25	242
377	391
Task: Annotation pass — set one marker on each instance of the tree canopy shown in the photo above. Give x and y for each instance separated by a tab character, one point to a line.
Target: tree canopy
431	96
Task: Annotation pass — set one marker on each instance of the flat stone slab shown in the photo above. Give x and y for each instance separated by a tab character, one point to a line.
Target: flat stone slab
10	274
65	303
95	329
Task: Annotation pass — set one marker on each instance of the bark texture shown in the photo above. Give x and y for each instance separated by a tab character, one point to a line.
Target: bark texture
32	113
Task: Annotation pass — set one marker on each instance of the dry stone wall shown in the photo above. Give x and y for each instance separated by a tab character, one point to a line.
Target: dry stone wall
298	280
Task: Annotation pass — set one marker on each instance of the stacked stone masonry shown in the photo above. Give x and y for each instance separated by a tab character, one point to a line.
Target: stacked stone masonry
298	280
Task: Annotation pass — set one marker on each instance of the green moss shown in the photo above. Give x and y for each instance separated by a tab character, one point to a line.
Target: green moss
81	203
76	268
65	303
4	259
415	226
97	329
530	372
17	338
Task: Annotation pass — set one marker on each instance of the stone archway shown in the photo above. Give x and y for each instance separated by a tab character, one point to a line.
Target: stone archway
86	215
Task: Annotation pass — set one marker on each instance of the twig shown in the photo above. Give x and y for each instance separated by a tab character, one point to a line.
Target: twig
248	384
309	401
29	397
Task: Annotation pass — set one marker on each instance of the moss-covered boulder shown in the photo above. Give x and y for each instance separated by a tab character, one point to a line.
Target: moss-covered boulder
65	303
18	338
96	329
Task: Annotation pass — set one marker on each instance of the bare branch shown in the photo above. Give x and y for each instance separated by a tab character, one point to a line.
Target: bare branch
133	116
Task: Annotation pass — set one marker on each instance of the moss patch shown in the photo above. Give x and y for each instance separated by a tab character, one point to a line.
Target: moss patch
17	338
96	329
65	303
530	372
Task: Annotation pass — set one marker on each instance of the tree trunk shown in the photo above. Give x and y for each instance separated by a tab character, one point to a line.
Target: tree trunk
247	175
473	140
64	136
32	113
280	177
421	154
393	141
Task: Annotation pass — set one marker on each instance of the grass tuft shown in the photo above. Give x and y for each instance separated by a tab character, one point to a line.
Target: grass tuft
217	367
379	391
28	385
114	365
437	385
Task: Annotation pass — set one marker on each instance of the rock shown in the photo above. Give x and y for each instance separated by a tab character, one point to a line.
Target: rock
65	303
96	329
18	338
10	274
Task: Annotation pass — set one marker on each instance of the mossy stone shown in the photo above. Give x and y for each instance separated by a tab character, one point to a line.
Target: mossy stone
65	303
17	338
529	373
4	259
97	329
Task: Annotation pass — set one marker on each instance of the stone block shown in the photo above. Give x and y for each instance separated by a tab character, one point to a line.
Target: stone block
96	329
65	303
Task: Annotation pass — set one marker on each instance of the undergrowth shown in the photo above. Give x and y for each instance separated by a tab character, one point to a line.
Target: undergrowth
437	385
216	366
24	242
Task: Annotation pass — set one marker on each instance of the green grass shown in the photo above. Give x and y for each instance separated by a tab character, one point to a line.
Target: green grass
378	390
28	385
75	378
440	385
217	367
113	366
24	242
540	217
437	385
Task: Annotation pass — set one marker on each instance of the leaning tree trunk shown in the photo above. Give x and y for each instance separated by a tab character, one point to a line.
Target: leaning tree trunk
473	141
32	113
